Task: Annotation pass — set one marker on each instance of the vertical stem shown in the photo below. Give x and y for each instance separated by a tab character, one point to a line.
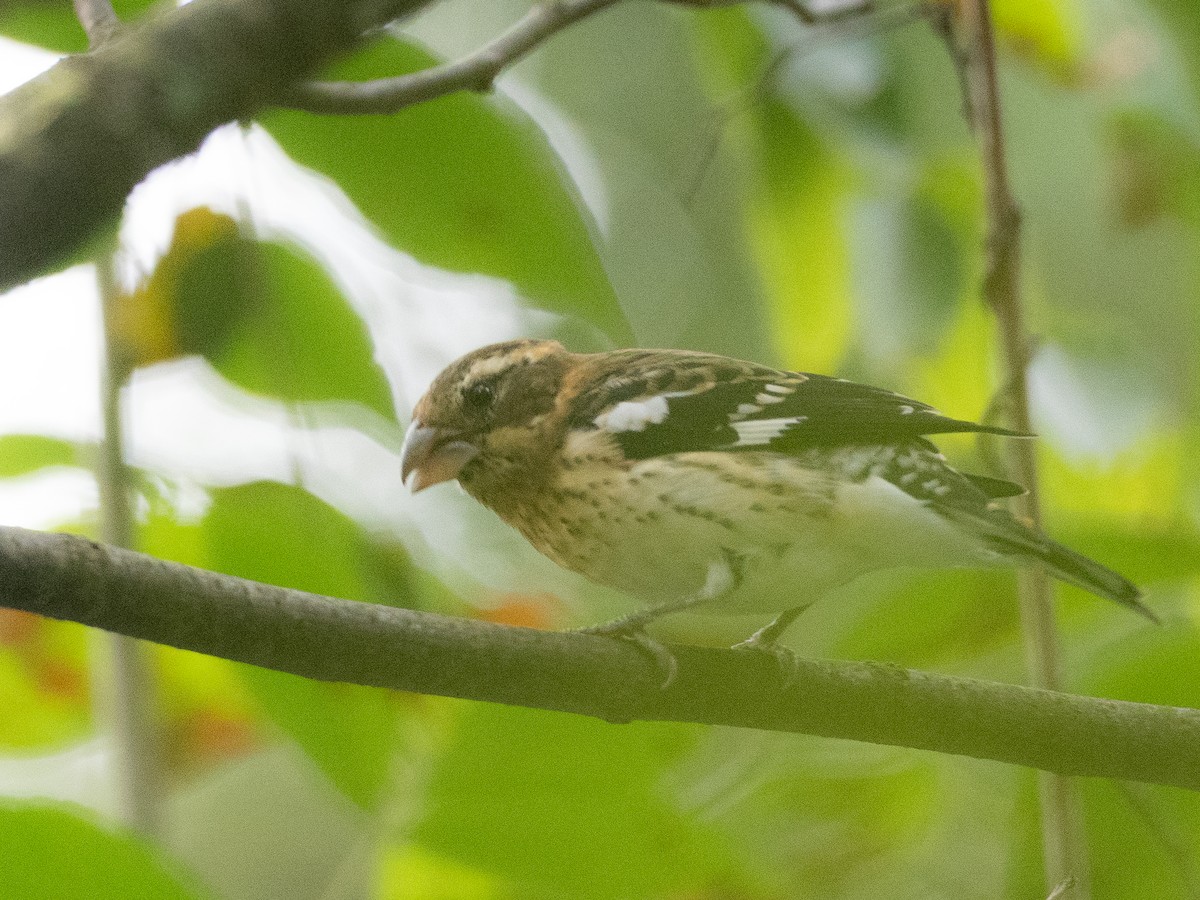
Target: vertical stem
98	19
1064	843
130	694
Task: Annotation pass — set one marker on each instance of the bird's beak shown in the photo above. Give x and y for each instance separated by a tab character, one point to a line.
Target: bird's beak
432	456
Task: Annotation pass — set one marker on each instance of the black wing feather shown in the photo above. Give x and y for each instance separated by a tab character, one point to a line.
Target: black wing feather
824	412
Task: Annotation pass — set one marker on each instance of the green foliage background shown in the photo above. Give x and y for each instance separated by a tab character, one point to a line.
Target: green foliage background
808	197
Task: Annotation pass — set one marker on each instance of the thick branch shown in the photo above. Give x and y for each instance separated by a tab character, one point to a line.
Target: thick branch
76	140
71	578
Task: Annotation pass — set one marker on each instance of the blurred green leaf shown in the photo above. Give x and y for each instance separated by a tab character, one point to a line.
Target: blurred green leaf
43	696
305	343
1168	552
1150	665
797	198
24	453
267	316
1141	840
910	267
52	24
464	183
1155	169
798	211
566	806
416	874
283	535
1045	34
59	852
932	620
350	732
1183	28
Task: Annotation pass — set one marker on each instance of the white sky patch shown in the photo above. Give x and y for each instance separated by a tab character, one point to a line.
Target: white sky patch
633	415
22	62
48	498
50	357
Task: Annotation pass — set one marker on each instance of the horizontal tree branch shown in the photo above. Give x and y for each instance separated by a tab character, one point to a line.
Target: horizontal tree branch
67	577
478	71
75	140
474	72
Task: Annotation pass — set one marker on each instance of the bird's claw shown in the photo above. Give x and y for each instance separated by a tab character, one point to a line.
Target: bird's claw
635	634
789	668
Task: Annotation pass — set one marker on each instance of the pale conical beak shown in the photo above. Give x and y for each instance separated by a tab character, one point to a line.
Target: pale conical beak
431	456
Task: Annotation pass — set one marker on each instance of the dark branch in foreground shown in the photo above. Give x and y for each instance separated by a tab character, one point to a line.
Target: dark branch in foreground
74	141
67	577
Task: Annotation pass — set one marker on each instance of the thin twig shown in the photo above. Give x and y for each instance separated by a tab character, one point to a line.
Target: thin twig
68	577
747	97
475	72
479	70
129	694
99	21
1065	849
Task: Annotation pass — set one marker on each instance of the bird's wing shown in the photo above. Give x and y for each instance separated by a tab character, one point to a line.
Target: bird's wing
660	402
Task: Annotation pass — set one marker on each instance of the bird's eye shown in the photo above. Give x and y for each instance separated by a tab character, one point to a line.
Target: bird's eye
478	397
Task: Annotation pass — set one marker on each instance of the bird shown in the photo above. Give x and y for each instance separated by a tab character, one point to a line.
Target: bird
694	481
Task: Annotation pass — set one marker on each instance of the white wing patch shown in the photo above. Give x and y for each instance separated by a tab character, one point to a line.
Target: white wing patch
758	432
633	415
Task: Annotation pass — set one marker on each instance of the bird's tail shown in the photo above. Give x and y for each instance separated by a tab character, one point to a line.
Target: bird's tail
1006	535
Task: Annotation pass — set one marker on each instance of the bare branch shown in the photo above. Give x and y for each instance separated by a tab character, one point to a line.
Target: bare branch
478	71
76	139
127	686
98	19
68	577
475	72
1065	850
836	13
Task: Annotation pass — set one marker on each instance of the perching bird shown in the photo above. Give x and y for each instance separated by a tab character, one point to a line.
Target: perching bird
693	480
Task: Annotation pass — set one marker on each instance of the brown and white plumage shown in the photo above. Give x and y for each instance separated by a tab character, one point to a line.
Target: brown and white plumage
690	478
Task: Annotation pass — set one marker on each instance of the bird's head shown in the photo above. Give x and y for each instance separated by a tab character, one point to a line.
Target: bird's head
482	415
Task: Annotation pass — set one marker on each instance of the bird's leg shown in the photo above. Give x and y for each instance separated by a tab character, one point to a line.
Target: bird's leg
637	621
632	628
764	640
724	576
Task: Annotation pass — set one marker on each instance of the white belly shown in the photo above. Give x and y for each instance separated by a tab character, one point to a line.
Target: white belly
672	527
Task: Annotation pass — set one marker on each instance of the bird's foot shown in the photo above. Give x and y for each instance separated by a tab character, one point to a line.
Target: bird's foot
633	629
785	659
